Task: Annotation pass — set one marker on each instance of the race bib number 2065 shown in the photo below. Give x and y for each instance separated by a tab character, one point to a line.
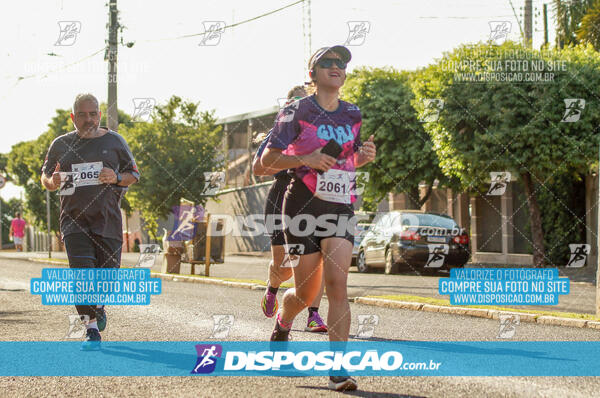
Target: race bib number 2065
87	173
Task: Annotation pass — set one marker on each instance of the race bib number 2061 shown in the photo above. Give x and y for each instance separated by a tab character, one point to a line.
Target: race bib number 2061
334	186
87	173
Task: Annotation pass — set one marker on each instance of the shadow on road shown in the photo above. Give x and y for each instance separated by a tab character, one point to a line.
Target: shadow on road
18	314
361	393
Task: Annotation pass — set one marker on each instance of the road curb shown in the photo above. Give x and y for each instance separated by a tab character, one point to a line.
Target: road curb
479	312
47	261
407	305
210	281
174	277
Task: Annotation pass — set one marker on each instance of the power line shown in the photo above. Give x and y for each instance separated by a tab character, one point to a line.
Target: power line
463	17
516	17
226	26
60	68
44	74
20	78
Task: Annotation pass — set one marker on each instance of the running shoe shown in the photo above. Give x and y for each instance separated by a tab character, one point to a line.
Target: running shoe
315	324
92	340
279	334
101	318
269	304
342	383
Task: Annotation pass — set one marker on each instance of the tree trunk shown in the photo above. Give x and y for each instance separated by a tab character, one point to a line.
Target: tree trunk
412	198
535	220
427	195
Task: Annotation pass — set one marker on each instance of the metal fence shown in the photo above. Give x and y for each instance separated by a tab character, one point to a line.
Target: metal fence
35	240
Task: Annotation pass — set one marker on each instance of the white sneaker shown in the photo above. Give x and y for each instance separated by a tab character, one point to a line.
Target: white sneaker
342	383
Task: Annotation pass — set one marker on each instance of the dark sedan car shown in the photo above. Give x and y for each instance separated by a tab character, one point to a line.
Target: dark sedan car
362	230
415	240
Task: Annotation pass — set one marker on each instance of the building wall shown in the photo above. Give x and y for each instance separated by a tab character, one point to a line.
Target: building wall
242	201
489	224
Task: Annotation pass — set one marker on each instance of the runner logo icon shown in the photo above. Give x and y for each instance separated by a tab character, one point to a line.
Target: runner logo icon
292	255
579	253
222	324
212	33
357	32
68	33
507	325
437	255
499	182
213	181
77	327
366	326
148	254
207	358
573	109
431	110
142	109
68	182
499	31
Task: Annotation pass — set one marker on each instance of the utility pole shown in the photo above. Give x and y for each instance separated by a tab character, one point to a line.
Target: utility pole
528	22
545	24
226	152
306	30
250	179
48	223
598	243
112	116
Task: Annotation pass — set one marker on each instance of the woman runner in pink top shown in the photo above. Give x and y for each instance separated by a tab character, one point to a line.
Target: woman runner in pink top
321	189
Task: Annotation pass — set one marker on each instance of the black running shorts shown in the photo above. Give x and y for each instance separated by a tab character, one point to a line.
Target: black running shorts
274	210
86	250
300	205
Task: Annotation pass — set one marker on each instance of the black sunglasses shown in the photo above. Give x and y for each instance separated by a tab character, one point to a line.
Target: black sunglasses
328	63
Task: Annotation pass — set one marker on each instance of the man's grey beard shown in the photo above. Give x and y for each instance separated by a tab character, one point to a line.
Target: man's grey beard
89	131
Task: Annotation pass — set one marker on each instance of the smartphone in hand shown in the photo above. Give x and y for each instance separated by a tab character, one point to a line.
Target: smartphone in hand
333	149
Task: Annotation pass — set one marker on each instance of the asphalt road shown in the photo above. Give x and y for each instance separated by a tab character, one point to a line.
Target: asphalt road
183	312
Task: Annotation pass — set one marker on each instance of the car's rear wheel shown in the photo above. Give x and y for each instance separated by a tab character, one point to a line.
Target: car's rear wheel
390	266
361	262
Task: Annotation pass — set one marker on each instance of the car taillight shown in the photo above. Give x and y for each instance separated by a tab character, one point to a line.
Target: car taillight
409	235
461	239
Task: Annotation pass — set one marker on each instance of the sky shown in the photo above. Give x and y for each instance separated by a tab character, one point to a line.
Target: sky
249	68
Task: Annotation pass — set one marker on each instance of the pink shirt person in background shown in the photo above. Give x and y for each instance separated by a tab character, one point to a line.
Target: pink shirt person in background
17	231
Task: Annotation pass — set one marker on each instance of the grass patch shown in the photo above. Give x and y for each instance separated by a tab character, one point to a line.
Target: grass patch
47	260
444	302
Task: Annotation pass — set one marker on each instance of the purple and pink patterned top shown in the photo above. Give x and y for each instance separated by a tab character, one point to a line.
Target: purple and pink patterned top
304	126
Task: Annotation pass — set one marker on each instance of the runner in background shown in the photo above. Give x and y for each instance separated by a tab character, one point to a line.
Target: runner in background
273	210
319	188
17	231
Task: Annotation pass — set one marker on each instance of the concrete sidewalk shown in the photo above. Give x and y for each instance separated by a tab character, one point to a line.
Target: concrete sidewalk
244	266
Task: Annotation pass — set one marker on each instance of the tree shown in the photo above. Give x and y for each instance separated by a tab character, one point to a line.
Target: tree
514	126
24	168
405	157
25	160
589	31
172	153
569	15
